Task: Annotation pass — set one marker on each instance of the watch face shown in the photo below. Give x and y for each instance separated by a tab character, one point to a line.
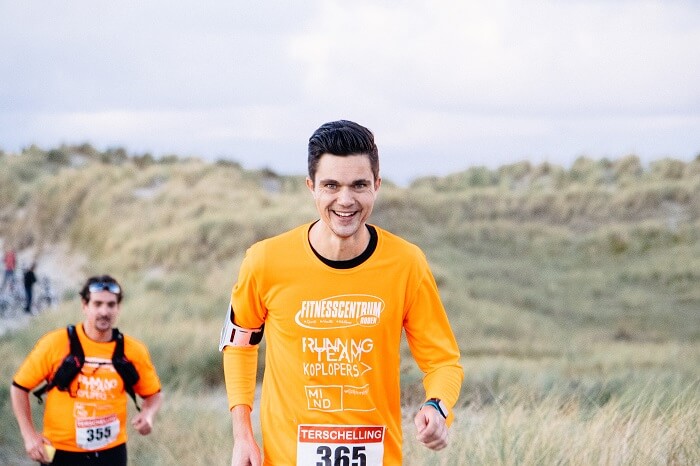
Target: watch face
443	408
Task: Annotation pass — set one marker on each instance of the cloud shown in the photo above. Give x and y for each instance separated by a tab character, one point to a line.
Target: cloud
130	55
442	84
514	57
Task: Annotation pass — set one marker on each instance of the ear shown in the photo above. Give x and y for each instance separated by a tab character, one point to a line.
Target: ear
310	185
377	184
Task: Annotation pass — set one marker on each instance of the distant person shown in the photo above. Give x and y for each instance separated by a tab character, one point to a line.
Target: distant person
10	260
86	420
333	297
29	281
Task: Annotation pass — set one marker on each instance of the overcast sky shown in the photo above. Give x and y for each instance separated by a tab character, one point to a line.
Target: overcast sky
444	85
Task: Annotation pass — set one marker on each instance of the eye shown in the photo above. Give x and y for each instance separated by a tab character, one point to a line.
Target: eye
330	186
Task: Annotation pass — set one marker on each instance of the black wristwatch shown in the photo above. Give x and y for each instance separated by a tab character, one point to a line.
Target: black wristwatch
438	405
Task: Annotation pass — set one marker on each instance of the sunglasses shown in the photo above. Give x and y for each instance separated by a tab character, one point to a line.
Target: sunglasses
104	286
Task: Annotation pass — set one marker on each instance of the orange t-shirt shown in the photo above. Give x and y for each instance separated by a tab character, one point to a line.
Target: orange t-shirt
91	415
331	387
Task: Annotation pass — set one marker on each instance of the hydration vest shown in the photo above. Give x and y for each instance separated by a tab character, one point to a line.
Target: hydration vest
72	364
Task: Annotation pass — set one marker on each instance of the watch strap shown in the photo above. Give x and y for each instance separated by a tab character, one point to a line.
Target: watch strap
435	403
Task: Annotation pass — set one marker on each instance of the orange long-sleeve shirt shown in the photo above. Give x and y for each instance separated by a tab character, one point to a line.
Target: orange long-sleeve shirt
331	381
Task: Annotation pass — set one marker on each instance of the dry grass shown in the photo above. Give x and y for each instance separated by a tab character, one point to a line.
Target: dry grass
573	293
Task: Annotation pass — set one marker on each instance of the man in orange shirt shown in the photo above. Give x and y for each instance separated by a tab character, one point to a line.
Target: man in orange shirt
86	422
333	297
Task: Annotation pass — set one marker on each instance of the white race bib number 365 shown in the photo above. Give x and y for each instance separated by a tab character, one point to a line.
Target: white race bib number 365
332	445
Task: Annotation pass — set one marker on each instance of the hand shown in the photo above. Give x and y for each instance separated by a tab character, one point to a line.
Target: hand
142	423
246	454
34	447
431	428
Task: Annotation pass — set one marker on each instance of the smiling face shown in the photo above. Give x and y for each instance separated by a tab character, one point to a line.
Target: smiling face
344	190
101	313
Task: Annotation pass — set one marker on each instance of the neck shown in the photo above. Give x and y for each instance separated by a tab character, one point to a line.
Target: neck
336	248
97	335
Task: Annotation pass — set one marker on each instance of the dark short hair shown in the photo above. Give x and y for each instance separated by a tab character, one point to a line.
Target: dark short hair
342	137
85	291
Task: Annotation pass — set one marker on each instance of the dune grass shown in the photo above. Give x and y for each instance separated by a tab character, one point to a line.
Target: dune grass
574	295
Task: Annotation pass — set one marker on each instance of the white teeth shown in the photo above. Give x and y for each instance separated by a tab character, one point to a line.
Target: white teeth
344	214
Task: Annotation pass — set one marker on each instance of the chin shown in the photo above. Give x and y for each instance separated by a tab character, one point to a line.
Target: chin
345	231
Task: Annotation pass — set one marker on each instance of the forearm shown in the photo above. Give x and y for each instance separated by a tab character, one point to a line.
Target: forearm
242	424
240	369
245	449
445	383
151	405
34	442
433	344
23	412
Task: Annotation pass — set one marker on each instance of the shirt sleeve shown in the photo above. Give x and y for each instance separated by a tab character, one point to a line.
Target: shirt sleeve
247	299
43	360
240	363
240	371
433	343
137	353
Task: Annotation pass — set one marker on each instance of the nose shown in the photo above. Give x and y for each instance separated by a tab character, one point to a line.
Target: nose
345	197
104	309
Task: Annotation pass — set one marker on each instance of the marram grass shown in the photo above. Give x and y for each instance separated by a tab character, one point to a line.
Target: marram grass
573	294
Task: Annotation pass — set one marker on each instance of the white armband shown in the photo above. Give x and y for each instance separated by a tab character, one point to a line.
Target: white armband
234	335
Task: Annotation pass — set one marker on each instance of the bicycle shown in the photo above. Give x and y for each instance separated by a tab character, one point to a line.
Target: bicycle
45	297
12	301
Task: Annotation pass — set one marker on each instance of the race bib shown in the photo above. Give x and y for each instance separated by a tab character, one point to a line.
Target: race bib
332	445
97	432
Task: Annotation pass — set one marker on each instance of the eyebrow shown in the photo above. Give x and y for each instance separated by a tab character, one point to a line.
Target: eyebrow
330	180
99	301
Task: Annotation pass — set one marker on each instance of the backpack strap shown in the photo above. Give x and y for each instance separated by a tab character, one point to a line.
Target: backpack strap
39	393
76	349
70	367
124	367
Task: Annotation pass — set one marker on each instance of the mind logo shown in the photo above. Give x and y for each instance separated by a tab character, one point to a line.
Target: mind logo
340	311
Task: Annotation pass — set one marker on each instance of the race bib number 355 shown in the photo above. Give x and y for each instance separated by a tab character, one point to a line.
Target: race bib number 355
94	433
331	445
